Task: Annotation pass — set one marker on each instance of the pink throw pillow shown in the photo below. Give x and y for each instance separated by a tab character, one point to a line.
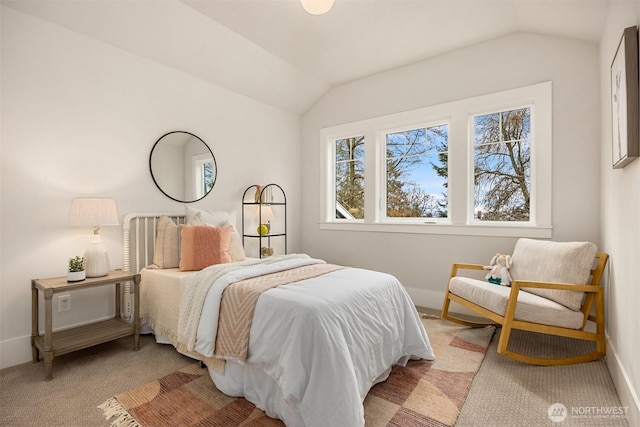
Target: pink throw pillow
202	246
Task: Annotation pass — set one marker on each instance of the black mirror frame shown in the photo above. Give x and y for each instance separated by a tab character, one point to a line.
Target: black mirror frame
215	165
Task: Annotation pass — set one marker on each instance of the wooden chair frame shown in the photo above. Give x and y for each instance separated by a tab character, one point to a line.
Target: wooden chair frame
594	295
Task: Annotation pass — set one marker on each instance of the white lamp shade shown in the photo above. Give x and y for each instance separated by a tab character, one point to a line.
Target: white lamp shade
317	7
265	214
88	212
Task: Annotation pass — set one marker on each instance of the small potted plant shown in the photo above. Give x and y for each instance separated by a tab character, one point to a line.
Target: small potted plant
76	269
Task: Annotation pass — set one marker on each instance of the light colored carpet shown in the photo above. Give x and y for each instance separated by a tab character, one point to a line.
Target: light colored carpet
81	381
504	393
510	393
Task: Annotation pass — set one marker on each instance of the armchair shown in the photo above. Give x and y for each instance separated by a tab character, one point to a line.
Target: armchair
555	287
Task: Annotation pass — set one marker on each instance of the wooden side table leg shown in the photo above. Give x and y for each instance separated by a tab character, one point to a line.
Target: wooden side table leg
118	299
136	310
35	354
48	335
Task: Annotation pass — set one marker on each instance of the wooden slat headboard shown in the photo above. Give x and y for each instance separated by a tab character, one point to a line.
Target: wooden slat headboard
139	241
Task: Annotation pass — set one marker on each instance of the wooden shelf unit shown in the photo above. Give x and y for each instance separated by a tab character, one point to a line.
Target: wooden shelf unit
52	344
255	198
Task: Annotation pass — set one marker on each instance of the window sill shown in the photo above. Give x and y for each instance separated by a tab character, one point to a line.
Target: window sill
536	232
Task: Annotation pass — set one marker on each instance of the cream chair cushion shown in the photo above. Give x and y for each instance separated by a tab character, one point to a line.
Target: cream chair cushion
530	308
560	262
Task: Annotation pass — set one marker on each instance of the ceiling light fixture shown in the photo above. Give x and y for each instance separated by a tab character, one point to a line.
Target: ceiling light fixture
317	7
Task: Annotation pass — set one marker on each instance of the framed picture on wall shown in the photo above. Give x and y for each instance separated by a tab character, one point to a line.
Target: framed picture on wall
625	107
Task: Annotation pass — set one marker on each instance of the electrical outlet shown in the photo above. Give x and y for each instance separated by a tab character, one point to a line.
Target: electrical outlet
64	302
126	307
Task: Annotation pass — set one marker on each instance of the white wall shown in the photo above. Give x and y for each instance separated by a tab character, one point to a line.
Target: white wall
422	262
620	208
79	118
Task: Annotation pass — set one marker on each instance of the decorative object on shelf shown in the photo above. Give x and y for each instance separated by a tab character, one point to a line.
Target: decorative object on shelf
183	166
264	209
317	7
625	105
76	271
88	212
256	197
263	229
264	218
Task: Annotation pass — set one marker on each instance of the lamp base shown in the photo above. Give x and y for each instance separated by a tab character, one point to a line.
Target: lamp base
96	258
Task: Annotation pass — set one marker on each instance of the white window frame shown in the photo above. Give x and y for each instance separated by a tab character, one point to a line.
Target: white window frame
382	135
198	161
459	117
471	184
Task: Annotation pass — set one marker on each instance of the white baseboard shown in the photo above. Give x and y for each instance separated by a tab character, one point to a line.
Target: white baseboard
628	395
424	298
15	351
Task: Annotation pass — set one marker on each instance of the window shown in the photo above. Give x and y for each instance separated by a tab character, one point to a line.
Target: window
478	166
204	174
502	165
417	173
207	176
349	178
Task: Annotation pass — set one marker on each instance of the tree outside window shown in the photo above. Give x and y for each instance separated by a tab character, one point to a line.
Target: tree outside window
349	178
502	166
207	176
417	173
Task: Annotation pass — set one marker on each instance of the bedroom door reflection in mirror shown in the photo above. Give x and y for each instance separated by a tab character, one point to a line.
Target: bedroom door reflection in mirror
183	166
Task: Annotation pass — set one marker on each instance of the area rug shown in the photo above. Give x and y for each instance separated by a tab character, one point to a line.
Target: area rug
422	393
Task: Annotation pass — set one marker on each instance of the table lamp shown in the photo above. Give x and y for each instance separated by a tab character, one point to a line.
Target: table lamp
88	212
264	217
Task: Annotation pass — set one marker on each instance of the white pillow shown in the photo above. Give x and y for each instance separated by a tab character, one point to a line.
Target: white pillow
219	219
215	218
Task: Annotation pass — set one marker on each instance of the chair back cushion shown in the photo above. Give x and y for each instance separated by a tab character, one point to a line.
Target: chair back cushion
560	262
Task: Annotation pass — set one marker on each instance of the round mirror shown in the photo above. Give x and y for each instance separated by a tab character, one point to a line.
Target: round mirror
182	166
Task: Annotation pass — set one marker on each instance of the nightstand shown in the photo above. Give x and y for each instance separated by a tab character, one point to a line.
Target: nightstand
68	340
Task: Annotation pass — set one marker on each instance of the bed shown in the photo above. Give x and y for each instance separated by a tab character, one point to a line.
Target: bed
319	336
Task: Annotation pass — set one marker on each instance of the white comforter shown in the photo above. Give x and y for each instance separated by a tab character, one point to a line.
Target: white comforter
317	347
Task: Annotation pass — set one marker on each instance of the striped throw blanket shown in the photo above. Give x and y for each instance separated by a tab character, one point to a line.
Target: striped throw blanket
195	291
239	302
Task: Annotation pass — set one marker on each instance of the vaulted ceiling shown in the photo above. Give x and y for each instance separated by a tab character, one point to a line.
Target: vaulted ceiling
276	53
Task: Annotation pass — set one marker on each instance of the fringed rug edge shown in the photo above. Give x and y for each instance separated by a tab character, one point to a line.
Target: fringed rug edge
117	414
428	316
